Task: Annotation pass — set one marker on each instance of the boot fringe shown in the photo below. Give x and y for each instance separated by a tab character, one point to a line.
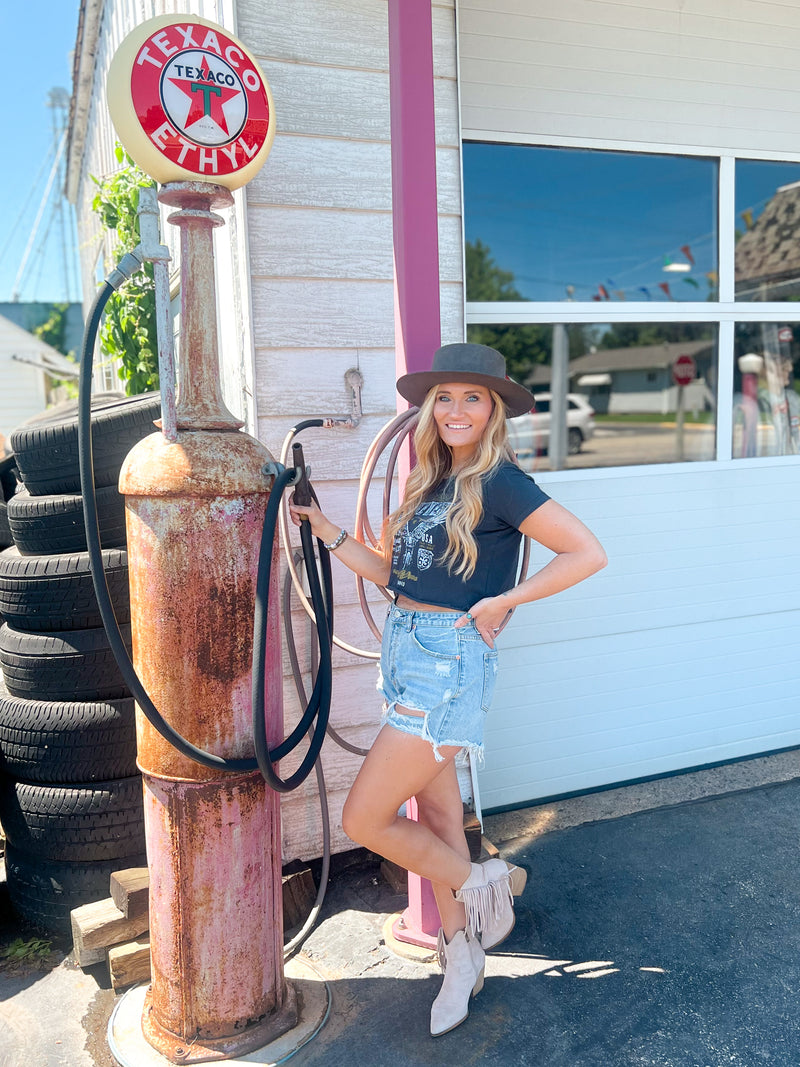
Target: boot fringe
485	903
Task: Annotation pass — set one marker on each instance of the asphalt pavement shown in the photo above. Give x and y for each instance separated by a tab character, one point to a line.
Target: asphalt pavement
660	927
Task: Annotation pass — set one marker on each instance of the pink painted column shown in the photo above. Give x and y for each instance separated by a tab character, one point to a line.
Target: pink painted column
416	277
414	209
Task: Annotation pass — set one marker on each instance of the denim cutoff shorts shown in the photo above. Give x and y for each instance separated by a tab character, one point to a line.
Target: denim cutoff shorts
428	665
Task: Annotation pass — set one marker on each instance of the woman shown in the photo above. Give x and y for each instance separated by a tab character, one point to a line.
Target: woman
450	554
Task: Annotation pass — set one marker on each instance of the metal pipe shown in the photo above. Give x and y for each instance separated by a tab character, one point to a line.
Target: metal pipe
557	446
158	254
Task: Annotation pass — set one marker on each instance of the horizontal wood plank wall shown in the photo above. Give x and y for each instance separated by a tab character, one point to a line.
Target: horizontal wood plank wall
320	234
707	74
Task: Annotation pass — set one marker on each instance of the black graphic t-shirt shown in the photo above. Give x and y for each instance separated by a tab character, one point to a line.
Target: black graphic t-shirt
509	497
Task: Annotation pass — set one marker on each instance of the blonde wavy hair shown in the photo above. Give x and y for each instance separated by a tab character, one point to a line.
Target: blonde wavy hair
434	465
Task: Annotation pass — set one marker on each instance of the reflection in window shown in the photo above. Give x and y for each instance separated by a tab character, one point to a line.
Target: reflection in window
767	230
574	224
623	404
766	404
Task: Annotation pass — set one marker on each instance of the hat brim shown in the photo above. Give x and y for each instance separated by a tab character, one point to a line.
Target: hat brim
517	399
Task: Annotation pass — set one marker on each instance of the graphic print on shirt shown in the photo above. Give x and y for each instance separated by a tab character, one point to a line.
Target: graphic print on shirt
414	547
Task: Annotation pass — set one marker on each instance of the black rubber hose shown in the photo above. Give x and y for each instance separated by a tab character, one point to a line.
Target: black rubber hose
288	630
320	703
321	594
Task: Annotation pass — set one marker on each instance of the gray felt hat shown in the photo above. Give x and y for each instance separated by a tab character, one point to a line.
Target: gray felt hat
474	364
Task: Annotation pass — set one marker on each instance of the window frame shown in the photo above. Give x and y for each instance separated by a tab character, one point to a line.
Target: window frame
723	313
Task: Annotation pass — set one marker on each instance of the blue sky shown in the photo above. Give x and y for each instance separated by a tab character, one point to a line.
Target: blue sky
39	37
586	225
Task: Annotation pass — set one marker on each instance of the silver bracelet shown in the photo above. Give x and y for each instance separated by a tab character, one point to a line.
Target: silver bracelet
340	540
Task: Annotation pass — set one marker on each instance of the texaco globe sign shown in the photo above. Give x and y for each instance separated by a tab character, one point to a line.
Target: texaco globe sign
189	102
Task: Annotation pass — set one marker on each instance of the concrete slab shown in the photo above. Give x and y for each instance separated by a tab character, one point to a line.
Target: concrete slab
41	1018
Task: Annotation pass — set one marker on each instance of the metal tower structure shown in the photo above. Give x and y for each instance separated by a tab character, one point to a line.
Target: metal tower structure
54	215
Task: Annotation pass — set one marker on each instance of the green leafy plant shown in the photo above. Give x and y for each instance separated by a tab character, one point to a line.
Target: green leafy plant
53	331
32	951
128	332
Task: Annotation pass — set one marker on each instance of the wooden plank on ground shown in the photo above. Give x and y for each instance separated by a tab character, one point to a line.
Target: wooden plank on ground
130	891
129	963
472	832
100	924
492	852
395	875
299	893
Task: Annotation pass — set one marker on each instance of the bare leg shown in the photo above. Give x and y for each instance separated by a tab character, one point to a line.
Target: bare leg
400	766
441	810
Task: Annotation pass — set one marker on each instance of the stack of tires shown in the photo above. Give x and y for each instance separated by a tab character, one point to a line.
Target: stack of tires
70	793
8	486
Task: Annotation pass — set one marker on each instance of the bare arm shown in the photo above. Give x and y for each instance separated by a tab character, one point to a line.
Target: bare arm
578	554
360	558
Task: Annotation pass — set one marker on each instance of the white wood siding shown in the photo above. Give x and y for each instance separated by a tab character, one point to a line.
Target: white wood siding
682	652
320	231
701	73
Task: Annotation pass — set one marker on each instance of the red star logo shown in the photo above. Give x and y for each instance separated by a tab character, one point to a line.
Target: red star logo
207	97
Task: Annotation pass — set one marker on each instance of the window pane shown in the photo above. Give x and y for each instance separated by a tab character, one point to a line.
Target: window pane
628	409
766	405
767	230
573	224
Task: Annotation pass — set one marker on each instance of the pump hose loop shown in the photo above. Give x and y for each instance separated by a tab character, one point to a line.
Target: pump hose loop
319	705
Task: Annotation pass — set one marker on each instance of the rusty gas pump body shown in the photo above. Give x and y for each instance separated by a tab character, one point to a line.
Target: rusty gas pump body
195	507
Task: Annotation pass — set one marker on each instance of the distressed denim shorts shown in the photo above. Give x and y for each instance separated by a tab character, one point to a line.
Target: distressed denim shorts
449	674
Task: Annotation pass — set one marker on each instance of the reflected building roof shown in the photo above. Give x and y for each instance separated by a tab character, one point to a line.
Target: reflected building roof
768	255
636	357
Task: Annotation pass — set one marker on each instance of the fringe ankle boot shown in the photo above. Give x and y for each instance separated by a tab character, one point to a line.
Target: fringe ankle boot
488	895
462	962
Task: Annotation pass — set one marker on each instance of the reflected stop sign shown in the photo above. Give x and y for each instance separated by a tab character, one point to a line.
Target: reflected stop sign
684	370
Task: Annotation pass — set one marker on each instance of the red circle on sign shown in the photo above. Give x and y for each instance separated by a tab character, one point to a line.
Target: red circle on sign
785	333
199	99
684	370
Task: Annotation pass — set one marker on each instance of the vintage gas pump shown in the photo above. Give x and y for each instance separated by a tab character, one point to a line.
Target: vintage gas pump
193	109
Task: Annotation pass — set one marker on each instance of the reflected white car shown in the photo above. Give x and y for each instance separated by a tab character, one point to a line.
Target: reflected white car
529	434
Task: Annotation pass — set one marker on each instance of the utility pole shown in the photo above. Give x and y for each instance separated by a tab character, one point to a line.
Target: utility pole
58	102
557	449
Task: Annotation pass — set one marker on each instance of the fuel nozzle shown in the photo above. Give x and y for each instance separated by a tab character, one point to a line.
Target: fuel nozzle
302	487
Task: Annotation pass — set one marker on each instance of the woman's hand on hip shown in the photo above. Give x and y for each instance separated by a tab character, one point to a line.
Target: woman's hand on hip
488	615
